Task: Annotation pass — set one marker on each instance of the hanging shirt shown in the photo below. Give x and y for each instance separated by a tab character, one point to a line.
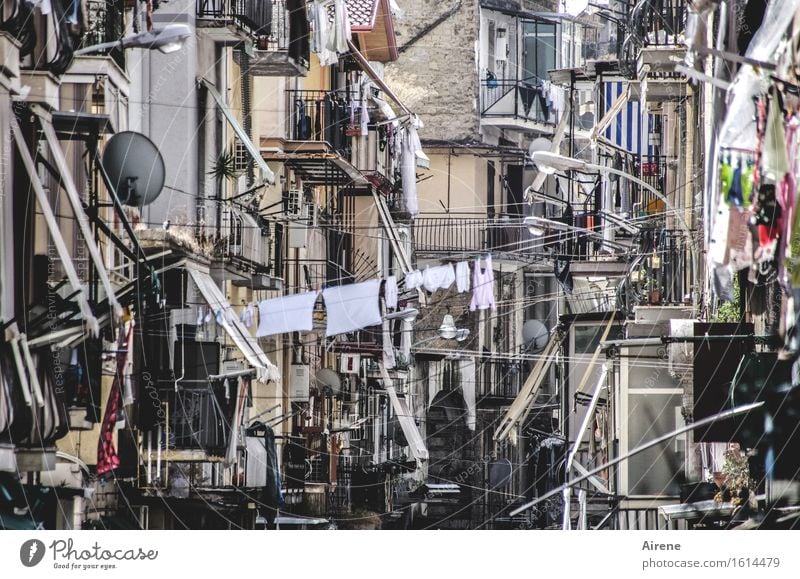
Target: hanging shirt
413	279
482	286
318	14
438	277
293	313
462	276
390	292
248	316
341	33
352	307
408	167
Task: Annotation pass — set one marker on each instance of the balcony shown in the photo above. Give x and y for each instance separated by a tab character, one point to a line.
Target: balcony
522	105
663	277
248	251
279	50
500	381
320	142
463	233
46	41
233	21
655	40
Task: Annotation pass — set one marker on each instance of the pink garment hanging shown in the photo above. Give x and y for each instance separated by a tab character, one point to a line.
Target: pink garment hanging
107	458
482	286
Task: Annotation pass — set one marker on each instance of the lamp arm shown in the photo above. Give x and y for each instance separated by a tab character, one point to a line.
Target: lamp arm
99	47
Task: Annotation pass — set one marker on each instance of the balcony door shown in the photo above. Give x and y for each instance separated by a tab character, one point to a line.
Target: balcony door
538	49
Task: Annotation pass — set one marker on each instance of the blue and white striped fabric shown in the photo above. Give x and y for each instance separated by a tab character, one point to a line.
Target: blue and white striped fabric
629	129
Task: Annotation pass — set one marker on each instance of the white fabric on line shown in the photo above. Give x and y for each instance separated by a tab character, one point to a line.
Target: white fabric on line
294	313
390	292
352	307
462	276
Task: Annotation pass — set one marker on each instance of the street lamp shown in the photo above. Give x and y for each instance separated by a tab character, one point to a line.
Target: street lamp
167	39
549	163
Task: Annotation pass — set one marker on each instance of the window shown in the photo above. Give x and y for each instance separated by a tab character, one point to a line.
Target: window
538	49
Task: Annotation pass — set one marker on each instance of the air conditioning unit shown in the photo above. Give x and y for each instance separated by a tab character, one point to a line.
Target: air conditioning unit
299	383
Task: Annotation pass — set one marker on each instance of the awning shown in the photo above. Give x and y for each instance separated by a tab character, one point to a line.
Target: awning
55	231
241	336
266	173
416	444
68	184
612	112
521	406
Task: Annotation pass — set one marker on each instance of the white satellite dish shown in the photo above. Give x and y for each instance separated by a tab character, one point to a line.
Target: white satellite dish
535	336
539	144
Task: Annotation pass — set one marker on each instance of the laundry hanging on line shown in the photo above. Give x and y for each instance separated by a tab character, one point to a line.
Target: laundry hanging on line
294	313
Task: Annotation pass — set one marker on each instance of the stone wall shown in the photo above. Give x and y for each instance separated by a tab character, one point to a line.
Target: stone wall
437	72
436	75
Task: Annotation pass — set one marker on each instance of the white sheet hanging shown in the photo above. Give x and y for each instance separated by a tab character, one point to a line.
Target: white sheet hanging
438	277
468	391
462	276
390	292
352	307
294	313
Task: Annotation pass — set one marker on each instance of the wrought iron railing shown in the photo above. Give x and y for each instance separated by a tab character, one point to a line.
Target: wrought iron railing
456	233
199	417
661	274
652	23
520	99
253	16
250	242
316	115
501	378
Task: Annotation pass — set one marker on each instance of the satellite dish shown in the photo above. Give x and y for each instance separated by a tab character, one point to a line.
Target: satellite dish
327	378
499	473
535	335
539	144
135	168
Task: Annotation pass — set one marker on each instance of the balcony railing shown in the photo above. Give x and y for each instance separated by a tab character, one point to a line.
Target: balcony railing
252	244
501	379
316	115
254	16
199	417
469	233
652	23
518	99
662	275
372	155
